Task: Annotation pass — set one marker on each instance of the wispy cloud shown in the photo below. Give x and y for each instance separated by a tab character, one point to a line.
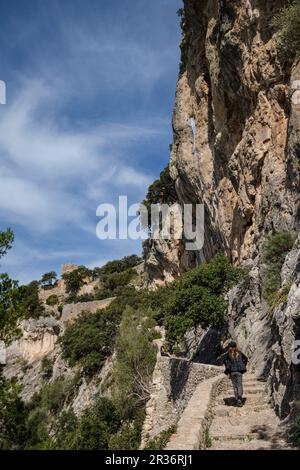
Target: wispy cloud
48	171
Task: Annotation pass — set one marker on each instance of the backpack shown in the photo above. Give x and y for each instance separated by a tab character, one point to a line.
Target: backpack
236	365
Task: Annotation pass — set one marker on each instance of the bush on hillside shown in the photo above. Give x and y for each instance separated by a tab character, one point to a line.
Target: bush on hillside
52	300
89	340
136	357
46	368
198	298
274	251
118	266
75	279
287	25
162	191
95	427
294	431
49	279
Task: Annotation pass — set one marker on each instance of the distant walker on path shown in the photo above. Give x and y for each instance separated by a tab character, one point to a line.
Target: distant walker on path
235	363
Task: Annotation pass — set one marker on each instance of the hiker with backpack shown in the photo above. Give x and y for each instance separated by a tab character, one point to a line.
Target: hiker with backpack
235	363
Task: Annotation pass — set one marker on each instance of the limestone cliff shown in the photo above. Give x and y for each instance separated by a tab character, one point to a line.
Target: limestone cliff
236	132
236	149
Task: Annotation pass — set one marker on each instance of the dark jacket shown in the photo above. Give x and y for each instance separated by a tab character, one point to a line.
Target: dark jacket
238	364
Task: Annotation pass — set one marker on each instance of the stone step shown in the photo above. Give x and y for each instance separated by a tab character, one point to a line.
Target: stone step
251	399
252	444
236	437
263	423
254	381
223	410
255	387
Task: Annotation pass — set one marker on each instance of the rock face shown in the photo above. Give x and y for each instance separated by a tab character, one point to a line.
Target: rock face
236	150
236	132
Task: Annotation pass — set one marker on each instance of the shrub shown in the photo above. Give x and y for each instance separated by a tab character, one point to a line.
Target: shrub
13	415
159	442
52	300
6	241
15	303
287	25
198	298
28	302
47	368
75	279
48	279
274	251
96	426
118	279
46	413
89	340
294	431
64	429
118	266
128	438
135	361
162	191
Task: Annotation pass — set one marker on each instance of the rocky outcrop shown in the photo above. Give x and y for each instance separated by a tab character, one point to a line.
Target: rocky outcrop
236	133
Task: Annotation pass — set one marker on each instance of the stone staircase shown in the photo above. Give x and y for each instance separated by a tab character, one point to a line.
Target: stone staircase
252	427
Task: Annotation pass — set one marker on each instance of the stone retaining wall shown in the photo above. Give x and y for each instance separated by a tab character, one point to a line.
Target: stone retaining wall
174	383
72	311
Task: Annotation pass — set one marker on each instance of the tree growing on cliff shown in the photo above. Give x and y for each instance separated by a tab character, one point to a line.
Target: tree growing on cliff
8	287
287	26
75	279
136	357
48	279
274	251
6	241
162	191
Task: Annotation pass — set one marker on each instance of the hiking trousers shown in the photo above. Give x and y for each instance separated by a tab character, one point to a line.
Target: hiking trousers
237	382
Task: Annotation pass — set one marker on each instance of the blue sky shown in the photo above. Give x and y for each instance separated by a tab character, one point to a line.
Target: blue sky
90	92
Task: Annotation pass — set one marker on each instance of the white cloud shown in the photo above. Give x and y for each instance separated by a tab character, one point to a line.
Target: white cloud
50	174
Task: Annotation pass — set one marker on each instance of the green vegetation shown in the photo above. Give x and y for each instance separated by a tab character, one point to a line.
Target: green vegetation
118	266
6	241
281	296
47	368
116	280
294	431
52	300
197	298
159	442
162	191
274	251
75	279
126	327
15	302
96	427
287	25
49	279
136	357
27	298
113	276
89	340
207	439
13	414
